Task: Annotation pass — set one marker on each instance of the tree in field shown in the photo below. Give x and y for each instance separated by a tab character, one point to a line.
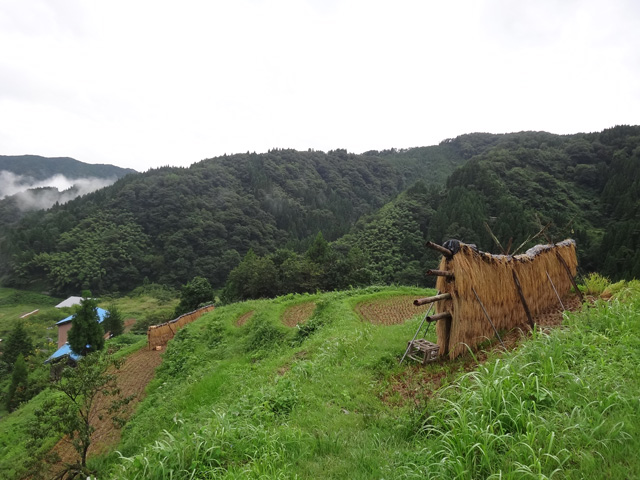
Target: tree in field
113	322
255	277
19	383
18	343
75	410
86	334
193	294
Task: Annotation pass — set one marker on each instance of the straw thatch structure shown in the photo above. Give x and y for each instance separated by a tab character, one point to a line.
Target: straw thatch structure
159	335
494	279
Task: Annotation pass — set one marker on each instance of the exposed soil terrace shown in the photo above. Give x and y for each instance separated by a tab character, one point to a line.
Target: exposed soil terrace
244	318
133	376
298	314
389	311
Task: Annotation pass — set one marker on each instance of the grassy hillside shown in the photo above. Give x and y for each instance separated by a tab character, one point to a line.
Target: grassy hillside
245	393
327	400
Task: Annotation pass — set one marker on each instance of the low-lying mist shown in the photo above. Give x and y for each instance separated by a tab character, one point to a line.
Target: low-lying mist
31	194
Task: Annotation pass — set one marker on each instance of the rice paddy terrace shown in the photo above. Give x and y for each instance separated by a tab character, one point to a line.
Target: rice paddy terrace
308	386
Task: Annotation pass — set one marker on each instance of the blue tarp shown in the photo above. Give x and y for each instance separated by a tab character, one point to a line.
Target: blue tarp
101	313
66	349
62	351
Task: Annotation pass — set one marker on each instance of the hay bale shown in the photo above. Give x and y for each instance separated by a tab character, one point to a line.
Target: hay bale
492	278
162	333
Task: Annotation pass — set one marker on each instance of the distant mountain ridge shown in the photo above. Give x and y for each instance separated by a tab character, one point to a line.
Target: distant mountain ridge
32	182
169	225
40	168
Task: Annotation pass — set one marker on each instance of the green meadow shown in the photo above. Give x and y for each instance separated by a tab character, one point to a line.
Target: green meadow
327	399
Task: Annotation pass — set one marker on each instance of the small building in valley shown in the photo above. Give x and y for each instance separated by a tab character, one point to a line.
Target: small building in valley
64	326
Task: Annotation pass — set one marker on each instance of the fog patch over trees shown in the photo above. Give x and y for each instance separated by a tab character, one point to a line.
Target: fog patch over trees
32	194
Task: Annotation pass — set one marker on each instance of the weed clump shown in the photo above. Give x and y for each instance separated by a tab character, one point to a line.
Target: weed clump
263	336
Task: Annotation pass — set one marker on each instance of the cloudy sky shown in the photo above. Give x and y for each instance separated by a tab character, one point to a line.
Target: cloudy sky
143	84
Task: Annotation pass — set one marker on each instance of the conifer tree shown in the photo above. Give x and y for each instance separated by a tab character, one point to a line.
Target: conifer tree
113	322
86	334
18	343
19	382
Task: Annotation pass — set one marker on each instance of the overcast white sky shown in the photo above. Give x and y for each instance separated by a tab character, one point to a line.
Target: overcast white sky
142	84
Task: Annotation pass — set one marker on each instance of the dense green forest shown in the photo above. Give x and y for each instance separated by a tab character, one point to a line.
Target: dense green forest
171	224
255	219
41	168
22	177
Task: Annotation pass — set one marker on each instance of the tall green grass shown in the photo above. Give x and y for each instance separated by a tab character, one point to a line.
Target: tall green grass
318	401
563	405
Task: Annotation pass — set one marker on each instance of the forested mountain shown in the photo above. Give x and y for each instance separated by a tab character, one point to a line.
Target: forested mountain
30	182
41	168
584	186
171	224
255	219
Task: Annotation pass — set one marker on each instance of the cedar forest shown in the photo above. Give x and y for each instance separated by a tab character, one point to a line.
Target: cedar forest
261	225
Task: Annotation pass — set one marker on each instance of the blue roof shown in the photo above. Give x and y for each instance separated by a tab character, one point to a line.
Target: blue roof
62	351
101	313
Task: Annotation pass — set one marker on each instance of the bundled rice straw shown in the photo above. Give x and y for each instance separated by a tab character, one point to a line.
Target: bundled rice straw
158	335
492	278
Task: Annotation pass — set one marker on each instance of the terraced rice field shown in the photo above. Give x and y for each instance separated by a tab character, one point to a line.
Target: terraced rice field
389	311
298	314
244	318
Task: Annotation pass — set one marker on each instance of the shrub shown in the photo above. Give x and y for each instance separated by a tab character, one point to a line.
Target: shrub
595	284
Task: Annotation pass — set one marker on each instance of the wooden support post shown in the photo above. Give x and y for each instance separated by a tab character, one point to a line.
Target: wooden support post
424	301
444	251
441	273
522	299
445	329
555	291
439	316
573	282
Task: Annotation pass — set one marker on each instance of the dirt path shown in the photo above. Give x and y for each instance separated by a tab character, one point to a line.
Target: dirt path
133	376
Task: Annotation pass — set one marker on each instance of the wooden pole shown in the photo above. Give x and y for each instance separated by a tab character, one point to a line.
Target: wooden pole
424	301
495	239
488	317
556	291
573	282
441	273
439	316
522	299
444	251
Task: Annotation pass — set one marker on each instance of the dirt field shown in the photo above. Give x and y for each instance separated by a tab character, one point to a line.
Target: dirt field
133	376
296	314
244	318
389	311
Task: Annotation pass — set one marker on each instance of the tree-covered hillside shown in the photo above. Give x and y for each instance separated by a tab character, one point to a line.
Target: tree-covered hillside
171	224
41	168
584	186
31	182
